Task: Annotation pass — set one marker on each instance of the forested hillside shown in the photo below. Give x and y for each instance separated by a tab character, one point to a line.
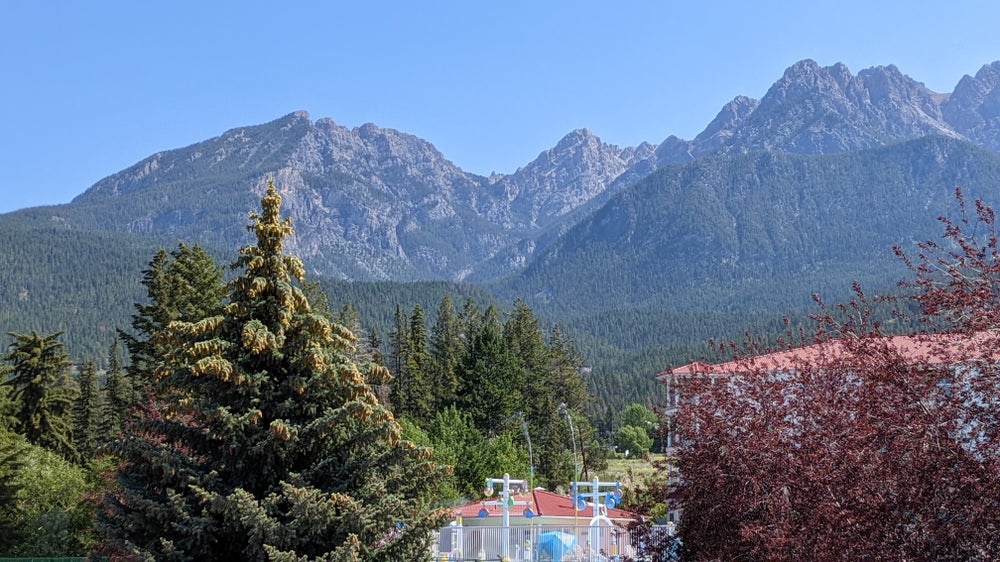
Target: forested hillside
757	231
81	283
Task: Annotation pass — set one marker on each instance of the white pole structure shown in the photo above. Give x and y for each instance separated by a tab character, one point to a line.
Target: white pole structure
611	496
505	503
531	458
596	494
576	467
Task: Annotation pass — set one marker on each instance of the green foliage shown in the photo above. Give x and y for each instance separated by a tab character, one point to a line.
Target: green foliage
492	383
446	348
458	443
39	378
262	440
7	407
11	466
182	286
71	281
48	511
86	413
633	440
637	415
119	395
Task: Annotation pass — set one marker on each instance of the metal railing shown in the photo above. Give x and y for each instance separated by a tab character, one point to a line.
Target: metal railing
535	543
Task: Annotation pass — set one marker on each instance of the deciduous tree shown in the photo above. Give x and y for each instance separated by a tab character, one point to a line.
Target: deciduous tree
864	446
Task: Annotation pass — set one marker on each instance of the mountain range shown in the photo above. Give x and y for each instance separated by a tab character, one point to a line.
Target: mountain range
801	191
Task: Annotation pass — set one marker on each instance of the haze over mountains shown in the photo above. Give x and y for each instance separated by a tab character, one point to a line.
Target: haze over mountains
802	190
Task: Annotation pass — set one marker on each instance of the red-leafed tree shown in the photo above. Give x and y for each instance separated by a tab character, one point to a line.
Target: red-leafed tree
858	445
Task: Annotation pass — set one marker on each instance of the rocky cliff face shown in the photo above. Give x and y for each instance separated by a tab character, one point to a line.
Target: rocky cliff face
973	109
367	203
374	203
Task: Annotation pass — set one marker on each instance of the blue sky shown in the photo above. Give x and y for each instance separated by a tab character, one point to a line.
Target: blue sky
94	87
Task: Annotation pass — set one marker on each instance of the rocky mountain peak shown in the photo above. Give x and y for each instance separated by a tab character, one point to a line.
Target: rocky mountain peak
727	123
575	138
973	109
417	215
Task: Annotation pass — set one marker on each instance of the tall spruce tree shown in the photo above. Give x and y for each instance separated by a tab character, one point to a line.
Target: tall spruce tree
446	351
87	412
39	376
184	285
119	395
268	444
399	340
492	382
419	404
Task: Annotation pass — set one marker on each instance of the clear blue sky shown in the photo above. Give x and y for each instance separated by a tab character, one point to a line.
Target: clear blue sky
92	87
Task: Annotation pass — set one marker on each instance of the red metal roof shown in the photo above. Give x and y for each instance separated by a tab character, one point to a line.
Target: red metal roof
934	349
544	504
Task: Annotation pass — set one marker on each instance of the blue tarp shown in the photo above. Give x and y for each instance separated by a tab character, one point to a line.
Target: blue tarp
556	544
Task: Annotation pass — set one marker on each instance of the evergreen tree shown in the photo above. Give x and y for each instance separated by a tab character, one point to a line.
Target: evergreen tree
184	285
566	367
471	320
11	465
118	395
39	377
351	319
446	352
419	404
86	412
492	381
269	444
8	408
378	376
399	339
375	345
528	347
320	302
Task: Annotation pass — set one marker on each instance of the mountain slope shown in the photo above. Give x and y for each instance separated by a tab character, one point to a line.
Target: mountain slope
757	231
372	203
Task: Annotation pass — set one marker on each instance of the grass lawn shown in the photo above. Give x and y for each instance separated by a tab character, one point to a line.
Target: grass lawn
618	469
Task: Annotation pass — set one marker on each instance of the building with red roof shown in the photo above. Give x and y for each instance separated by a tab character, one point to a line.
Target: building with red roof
478	531
546	508
932	349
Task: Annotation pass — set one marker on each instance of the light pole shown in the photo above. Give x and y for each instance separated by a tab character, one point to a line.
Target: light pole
576	467
531	458
572	437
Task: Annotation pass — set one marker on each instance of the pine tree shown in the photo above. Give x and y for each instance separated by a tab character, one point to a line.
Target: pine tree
471	320
39	378
572	390
446	352
119	396
399	339
419	404
8	408
184	285
492	381
351	319
269	443
528	347
86	412
375	345
566	366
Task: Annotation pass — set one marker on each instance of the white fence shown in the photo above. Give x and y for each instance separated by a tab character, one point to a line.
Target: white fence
536	543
